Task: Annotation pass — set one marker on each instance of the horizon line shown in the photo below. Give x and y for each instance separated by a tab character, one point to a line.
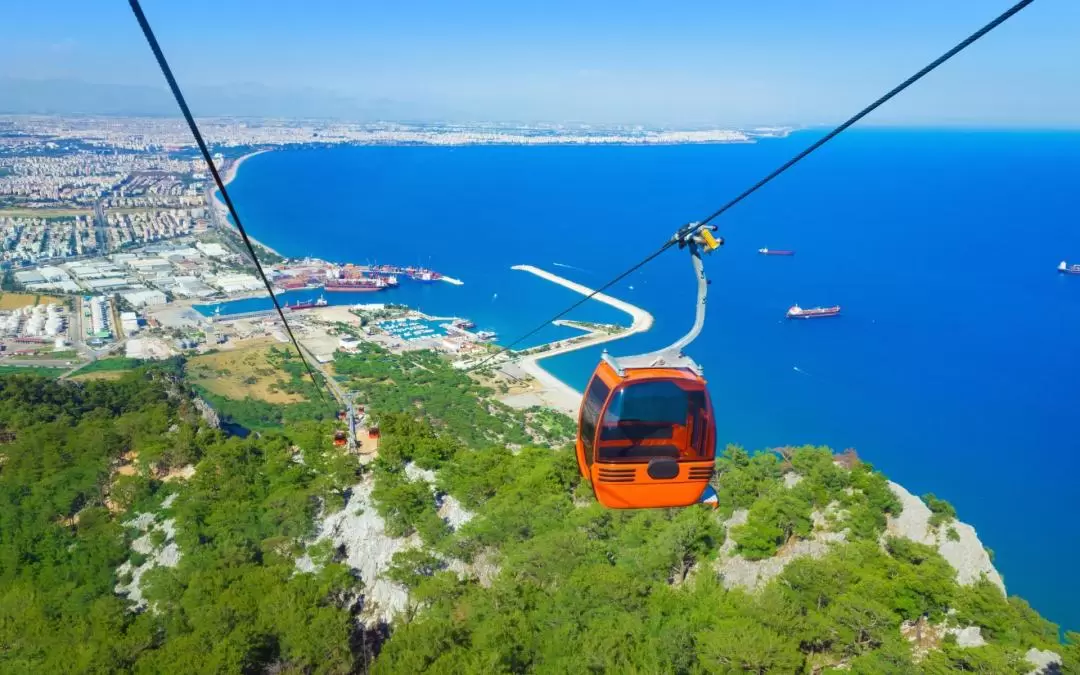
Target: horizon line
790	127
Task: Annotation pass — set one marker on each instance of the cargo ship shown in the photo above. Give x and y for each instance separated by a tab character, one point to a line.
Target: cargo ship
421	274
307	304
774	251
797	312
356	285
1066	268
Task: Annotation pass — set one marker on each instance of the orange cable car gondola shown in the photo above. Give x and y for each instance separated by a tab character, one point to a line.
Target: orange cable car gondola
646	432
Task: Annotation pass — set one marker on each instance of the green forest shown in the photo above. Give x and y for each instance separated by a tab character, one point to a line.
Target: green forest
423	382
88	469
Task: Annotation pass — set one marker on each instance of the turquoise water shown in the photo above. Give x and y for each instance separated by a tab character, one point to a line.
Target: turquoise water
952	367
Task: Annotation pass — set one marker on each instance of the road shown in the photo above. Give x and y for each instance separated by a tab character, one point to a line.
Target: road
75	326
101	228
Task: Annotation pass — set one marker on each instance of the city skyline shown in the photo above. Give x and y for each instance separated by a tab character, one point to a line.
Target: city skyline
687	65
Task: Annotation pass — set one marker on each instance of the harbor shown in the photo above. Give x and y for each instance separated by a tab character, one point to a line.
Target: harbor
312	273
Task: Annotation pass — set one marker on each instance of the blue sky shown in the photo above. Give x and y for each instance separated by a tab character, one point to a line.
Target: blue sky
679	63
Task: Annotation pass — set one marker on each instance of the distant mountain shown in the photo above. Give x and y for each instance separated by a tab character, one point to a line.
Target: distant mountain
63	97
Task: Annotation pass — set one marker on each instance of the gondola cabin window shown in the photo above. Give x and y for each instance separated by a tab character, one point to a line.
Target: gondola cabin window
595	396
653	419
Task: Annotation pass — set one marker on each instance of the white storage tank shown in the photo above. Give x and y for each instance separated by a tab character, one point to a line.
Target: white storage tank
35	325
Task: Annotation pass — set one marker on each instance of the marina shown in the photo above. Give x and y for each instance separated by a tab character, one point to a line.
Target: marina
411	329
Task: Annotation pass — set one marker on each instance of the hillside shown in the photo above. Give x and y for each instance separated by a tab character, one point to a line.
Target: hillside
135	536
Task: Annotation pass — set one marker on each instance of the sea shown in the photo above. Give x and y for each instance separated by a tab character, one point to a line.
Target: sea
953	367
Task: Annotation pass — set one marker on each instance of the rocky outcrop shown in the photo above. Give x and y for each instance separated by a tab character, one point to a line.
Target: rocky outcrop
957	542
971	636
738	517
453	512
925	637
208	413
449	509
737	571
1045	661
360	534
483	568
167	554
965	553
415	473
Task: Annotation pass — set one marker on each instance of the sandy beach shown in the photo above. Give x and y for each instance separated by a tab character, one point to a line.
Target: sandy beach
557	393
227	177
234	166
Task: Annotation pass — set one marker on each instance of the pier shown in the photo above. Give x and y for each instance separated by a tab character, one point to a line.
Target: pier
257	314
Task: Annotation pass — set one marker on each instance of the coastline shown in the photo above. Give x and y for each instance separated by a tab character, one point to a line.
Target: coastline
234	166
228	176
560	394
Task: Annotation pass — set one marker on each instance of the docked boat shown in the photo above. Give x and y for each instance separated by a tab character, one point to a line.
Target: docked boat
775	251
486	335
421	274
361	285
463	323
796	312
1066	268
307	304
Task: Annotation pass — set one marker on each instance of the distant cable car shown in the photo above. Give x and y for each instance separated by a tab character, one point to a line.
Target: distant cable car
646	432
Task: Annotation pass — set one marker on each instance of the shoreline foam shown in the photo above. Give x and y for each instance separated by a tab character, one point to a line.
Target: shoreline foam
560	394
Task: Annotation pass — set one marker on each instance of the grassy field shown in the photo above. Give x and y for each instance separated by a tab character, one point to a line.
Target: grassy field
44	213
32	370
99	375
46	353
16	300
243	372
111	364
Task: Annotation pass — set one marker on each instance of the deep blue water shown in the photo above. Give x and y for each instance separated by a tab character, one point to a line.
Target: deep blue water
953	367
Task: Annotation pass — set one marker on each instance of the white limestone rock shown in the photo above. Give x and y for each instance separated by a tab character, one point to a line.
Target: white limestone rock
415	473
967	555
970	636
1045	661
165	555
361	533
